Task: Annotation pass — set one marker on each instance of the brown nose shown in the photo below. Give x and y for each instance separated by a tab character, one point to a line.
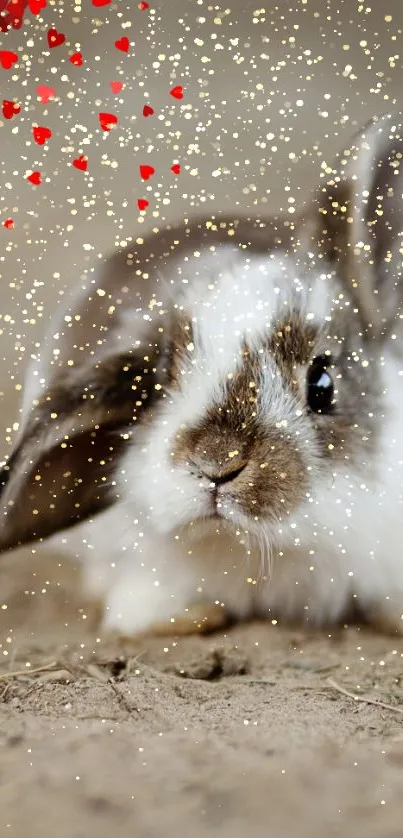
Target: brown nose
226	477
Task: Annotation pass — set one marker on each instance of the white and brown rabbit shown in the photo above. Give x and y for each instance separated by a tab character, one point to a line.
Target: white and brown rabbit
219	413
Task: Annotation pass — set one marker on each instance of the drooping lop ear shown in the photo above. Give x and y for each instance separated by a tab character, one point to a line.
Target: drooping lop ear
63	468
101	365
356	221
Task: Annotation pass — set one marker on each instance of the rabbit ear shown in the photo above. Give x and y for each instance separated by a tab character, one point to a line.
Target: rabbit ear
102	363
102	359
356	219
63	468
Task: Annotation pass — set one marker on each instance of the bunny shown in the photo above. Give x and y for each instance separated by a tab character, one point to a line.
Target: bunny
215	425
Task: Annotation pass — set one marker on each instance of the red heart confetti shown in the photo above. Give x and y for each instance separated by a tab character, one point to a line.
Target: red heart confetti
176	169
12	13
116	86
45	93
35	178
41	134
7	58
177	92
76	59
143	6
100	2
142	203
55	38
10	109
123	44
35	6
81	163
8	223
107	121
148	110
146	172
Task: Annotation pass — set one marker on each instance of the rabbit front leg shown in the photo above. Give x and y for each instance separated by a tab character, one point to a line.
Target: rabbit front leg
160	583
138	579
140	595
158	595
128	616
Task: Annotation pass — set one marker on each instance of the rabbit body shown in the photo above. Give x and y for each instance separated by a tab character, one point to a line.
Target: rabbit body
220	422
348	548
159	548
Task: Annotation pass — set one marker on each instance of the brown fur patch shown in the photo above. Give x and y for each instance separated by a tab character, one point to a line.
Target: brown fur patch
180	348
261	467
269	475
293	340
292	344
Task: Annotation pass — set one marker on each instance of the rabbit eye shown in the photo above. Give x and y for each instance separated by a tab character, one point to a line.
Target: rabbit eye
320	387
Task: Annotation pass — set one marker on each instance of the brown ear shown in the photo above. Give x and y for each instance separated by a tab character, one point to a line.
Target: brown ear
101	364
62	470
356	221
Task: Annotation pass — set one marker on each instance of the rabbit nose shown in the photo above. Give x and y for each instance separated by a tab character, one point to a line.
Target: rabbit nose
219	479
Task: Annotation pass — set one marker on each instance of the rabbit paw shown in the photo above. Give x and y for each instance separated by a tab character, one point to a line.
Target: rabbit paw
152	610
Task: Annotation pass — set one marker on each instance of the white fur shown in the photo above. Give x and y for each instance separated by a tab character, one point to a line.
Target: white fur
157	550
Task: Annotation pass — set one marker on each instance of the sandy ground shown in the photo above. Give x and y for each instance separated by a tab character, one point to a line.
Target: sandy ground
230	735
246	732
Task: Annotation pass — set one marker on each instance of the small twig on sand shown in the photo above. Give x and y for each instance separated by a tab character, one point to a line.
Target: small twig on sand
21	672
362	698
121	697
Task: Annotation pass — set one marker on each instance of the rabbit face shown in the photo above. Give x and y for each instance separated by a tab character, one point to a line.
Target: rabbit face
260	403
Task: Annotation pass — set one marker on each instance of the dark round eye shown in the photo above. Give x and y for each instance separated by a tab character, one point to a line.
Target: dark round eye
320	388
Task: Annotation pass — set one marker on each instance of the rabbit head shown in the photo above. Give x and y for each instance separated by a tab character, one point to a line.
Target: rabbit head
268	387
217	369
